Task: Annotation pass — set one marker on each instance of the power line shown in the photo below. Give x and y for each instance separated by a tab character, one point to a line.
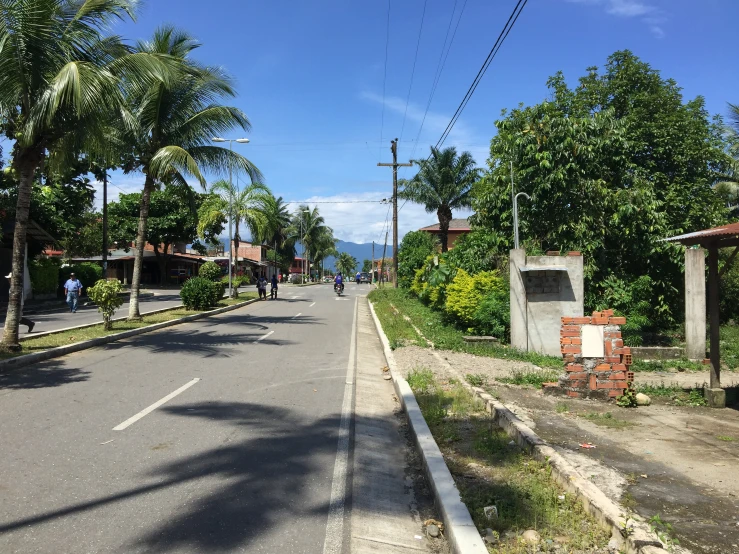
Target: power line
413	71
384	79
493	51
382	201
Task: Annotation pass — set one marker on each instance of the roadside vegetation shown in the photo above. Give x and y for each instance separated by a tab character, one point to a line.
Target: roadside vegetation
673	394
490	471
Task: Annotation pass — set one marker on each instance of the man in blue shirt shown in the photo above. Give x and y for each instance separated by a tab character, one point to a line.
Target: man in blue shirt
72	290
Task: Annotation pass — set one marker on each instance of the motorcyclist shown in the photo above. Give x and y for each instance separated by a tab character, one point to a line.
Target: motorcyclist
339	282
358	277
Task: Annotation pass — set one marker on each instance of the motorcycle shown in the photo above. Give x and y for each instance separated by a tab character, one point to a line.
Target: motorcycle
338	289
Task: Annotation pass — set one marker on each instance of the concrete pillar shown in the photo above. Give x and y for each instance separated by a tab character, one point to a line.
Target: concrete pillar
519	326
695	303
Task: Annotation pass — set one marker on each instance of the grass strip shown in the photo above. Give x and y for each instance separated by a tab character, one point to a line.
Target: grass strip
490	471
78	335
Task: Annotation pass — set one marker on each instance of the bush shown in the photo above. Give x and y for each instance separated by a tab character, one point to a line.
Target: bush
493	315
88	273
728	295
211	271
466	292
415	247
430	282
199	293
44	275
480	250
634	300
106	295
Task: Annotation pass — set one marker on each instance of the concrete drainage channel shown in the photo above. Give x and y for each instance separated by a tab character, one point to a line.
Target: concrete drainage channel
633	534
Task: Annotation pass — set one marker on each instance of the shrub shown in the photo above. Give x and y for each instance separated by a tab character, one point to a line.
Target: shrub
211	271
106	295
415	247
493	315
480	250
44	275
86	272
728	295
199	293
430	282
466	292
634	300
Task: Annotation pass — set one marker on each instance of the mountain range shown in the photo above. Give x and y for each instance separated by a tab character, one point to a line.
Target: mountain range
360	251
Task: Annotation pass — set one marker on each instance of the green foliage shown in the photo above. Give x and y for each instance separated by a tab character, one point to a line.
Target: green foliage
421	381
211	271
628	398
466	292
479	250
86	272
415	248
612	166
430	282
476	379
729	290
106	296
367	265
44	275
493	315
634	299
347	264
530	378
200	293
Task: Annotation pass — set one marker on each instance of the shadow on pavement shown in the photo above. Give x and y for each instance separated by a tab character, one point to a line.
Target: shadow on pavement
41	375
260	320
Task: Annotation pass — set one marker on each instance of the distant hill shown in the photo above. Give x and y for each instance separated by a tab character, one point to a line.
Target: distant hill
360	251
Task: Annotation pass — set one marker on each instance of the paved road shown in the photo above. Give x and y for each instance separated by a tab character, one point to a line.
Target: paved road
162	298
241	458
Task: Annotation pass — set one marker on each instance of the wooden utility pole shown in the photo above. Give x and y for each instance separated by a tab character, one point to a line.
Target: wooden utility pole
395	165
372	265
382	262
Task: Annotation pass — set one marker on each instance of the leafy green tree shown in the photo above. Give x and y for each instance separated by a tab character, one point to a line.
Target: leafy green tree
173	127
442	184
415	247
346	263
308	227
106	295
367	265
59	82
324	246
612	166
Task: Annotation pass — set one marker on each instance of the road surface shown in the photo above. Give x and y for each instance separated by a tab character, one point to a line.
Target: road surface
214	436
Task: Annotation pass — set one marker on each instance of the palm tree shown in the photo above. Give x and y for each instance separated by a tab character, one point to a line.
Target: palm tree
346	263
59	82
324	246
728	188
174	123
307	227
277	232
249	205
442	184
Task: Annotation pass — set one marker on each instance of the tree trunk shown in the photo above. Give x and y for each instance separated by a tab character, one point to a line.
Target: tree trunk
237	240
444	213
162	262
27	164
133	308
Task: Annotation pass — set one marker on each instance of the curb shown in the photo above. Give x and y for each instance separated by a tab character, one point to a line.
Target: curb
61	306
86	325
459	527
59	351
633	532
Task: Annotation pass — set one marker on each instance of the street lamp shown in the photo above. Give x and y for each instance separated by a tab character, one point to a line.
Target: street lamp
230	208
515	217
302	241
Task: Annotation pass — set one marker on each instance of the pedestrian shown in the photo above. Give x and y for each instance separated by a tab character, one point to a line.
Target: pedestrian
273	290
262	287
23	320
72	291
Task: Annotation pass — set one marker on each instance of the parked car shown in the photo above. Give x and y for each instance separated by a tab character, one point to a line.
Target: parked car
365	278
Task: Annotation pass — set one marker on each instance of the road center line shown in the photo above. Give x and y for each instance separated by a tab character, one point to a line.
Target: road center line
297	315
146	411
335	526
312	305
264	336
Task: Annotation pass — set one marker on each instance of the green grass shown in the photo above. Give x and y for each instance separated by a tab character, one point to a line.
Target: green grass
444	335
530	378
725	438
562	407
399	331
476	379
674	394
503	475
667	365
729	344
77	335
606	420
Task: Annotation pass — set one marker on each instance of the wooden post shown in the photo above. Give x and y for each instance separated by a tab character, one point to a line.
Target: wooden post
713	315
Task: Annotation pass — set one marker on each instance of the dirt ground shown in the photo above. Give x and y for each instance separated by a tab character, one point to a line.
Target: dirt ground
679	462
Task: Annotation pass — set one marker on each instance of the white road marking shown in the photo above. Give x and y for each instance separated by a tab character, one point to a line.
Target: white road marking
297	315
107	442
312	305
335	526
146	411
264	336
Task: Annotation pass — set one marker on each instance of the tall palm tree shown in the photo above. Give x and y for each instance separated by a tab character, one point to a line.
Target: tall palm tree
248	205
728	188
307	227
59	82
174	124
443	183
277	232
324	246
346	263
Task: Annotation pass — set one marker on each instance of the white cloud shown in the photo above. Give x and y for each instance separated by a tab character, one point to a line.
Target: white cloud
363	222
657	31
629	9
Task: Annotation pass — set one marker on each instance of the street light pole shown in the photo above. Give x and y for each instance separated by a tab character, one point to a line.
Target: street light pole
515	217
230	209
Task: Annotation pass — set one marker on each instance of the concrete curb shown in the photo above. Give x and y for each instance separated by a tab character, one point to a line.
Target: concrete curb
59	351
61	306
460	530
86	325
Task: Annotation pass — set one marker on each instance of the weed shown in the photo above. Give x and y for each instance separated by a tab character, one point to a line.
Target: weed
664	531
660	390
532	378
476	379
695	398
628	398
725	438
562	407
628	501
607	420
666	365
676	394
420	380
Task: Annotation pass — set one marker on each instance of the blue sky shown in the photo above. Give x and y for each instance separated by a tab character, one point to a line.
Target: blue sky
310	76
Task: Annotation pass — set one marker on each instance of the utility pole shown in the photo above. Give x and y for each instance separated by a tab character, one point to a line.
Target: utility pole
395	165
382	263
372	265
105	223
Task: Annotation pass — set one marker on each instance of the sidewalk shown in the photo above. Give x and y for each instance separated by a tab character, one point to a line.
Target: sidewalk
390	496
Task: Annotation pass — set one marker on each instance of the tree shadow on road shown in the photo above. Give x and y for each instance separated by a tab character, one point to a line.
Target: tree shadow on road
41	375
260	320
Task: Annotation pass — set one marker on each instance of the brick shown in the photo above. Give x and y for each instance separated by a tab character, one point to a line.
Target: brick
608	348
619	351
617	320
614	393
565	340
568	358
549	385
574	367
573	394
570	328
620	384
571	349
607	313
568	320
630	376
578	375
577	384
574	253
619	367
597	314
603	367
627	359
569	333
599	320
617	375
605	384
553	252
585	320
706	361
612	359
612	335
618	343
593	382
576	340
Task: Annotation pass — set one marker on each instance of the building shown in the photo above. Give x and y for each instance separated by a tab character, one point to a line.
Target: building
457	228
253	259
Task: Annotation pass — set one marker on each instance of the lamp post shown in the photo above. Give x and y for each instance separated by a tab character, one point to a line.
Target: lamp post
515	217
230	209
302	242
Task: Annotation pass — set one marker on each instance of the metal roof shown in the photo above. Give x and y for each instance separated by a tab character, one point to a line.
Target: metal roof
707	235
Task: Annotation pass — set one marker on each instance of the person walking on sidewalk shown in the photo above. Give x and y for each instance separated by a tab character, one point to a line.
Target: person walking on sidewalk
72	290
273	290
23	320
